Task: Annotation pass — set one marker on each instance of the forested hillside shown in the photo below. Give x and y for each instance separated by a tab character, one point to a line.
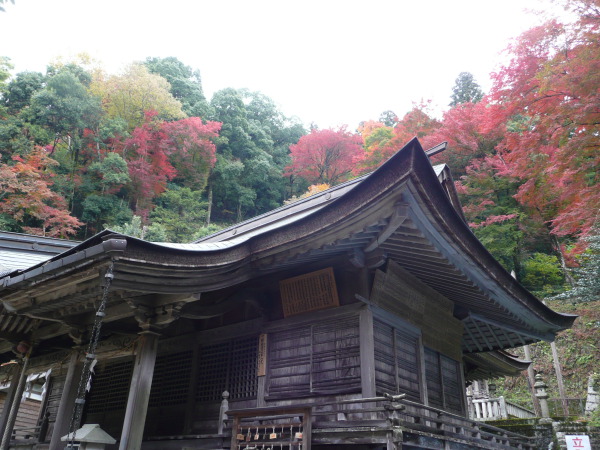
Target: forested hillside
145	152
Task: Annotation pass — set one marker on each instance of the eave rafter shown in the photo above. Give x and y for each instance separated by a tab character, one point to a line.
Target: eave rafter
482	335
398	217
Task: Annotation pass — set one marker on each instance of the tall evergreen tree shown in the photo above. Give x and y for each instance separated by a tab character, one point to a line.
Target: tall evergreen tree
465	90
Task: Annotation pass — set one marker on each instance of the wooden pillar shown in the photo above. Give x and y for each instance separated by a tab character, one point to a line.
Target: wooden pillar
190	407
367	353
139	392
10	396
67	401
16	402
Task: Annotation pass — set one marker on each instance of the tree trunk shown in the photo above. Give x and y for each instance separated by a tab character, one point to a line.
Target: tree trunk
561	258
209	208
559	378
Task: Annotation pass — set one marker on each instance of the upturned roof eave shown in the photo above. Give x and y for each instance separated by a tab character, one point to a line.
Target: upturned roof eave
410	162
459	232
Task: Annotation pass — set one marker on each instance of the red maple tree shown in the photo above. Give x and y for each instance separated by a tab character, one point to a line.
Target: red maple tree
549	96
157	150
27	197
381	142
325	156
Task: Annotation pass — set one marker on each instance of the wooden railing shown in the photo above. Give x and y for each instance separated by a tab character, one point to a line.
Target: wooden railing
514	410
496	408
26	433
364	415
275	427
32	433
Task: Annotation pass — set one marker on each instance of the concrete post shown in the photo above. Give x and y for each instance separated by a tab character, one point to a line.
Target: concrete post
502	407
139	392
593	394
67	400
542	395
470	408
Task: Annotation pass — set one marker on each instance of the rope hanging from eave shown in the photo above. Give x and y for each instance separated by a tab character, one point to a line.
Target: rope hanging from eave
90	358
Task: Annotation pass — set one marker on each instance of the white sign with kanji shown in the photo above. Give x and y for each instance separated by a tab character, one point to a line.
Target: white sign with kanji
578	442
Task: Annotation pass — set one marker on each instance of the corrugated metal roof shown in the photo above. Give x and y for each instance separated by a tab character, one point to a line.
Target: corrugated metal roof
19	251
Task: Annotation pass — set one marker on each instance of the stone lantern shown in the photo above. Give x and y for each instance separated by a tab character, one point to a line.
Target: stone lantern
90	437
542	395
492	389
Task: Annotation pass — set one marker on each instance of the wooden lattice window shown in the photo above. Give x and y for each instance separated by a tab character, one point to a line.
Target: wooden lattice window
396	360
309	292
110	387
171	380
444	388
230	366
318	358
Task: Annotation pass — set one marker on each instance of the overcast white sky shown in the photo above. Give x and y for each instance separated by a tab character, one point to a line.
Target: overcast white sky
329	62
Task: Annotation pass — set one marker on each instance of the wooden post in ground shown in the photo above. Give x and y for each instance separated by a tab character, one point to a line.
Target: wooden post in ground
559	378
531	382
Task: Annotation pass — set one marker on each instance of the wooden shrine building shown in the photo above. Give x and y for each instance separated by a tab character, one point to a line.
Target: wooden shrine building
350	319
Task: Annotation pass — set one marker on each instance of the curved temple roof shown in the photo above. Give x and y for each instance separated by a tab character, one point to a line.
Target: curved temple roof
406	211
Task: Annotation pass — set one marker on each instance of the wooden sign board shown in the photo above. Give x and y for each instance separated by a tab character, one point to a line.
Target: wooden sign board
261	360
309	292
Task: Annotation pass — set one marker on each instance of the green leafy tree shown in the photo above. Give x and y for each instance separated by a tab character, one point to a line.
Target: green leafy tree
207	231
186	84
251	154
99	193
132	94
66	108
135	228
587	282
226	190
18	135
181	212
20	90
67	111
5	68
100	209
543	274
112	172
466	90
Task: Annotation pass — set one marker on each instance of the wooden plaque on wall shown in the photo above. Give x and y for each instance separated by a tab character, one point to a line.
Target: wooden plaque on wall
309	292
261	360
